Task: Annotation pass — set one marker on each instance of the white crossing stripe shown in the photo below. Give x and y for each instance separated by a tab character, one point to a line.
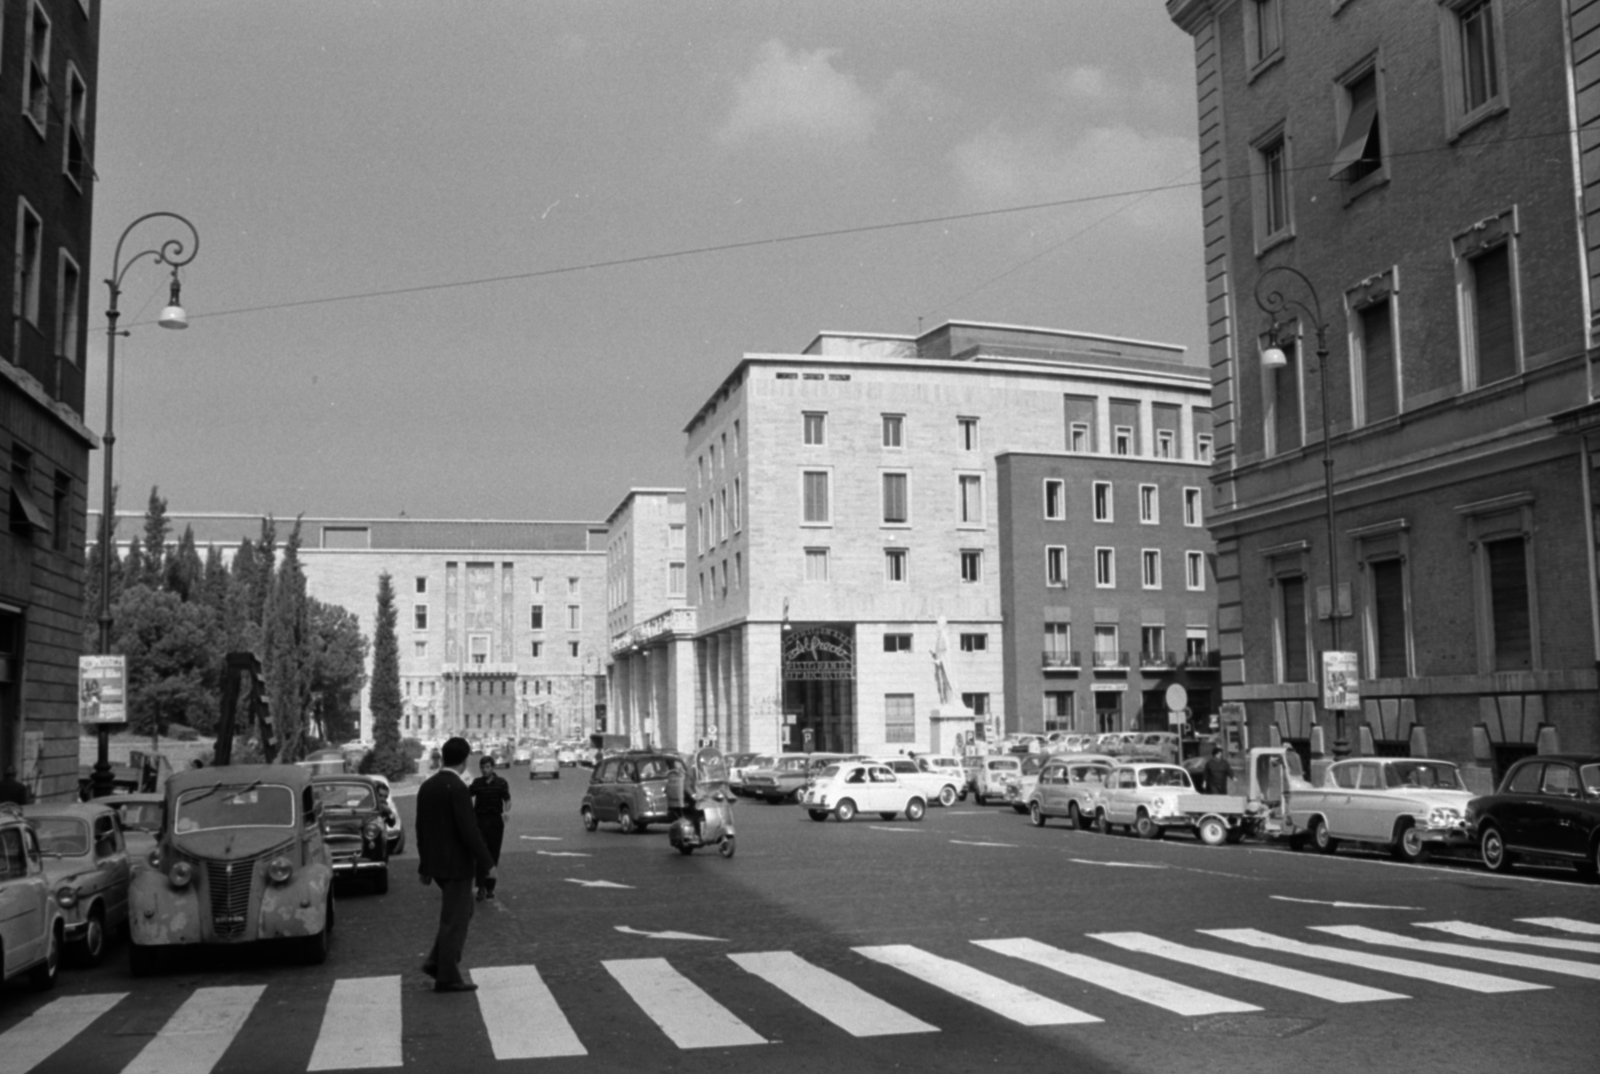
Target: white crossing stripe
521	1014
1178	998
1481	932
195	1037
36	1038
1565	924
853	1010
681	1008
360	1025
1404	967
987	991
1458	950
1312	984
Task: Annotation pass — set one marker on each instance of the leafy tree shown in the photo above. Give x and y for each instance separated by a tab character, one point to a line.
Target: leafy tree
338	670
168	644
387	757
286	661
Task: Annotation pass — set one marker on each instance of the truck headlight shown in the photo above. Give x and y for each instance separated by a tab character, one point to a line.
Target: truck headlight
374	833
1160	807
67	898
279	870
182	872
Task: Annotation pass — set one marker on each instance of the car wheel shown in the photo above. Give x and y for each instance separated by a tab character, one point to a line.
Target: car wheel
888	816
625	822
817	814
93	945
1234	836
686	849
845	810
1101	824
1589	868
1212	831
1145	827
1492	847
1020	807
1409	846
947	796
1325	843
726	847
1036	815
314	949
399	846
380	882
144	961
589	821
43	976
1074	818
916	809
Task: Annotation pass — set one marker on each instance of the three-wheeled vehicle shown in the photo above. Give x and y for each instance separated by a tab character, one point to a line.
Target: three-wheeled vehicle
702	805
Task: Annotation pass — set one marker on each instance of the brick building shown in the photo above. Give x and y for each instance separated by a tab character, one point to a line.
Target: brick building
49	58
1419	165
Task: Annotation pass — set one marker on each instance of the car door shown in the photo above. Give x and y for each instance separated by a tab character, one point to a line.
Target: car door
23	893
1117	793
603	790
1520	804
1557	825
111	867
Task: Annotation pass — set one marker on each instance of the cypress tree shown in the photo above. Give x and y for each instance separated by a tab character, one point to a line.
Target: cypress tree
156	529
384	695
287	663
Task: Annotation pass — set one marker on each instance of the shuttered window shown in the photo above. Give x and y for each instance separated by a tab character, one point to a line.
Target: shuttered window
1377	361
1389	618
1508	604
1496	332
815	487
894	499
1294	629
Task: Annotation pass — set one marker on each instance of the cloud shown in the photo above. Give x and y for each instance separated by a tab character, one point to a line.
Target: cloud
789	93
1102	93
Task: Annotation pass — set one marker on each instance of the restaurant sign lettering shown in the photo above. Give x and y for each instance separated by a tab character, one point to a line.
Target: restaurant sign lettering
813	654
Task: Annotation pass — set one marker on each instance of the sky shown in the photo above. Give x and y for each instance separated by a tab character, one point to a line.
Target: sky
406	296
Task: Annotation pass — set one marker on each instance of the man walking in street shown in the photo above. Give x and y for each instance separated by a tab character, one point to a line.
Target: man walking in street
491	801
451	851
1217	772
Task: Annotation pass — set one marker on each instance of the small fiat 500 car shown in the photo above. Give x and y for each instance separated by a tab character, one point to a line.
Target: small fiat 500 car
544	761
353	828
32	927
933	785
629	789
1548	806
1069	786
1144	797
842	790
993	774
947	765
88	869
141	816
241	860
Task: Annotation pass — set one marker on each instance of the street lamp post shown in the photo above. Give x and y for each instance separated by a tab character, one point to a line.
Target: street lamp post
1274	302
176	253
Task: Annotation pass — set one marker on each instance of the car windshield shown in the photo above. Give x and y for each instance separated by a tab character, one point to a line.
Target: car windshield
352	795
1003	766
1427	774
234	805
794	764
142	816
1163	777
64	837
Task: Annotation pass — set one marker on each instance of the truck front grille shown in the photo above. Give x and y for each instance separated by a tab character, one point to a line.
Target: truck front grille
229	883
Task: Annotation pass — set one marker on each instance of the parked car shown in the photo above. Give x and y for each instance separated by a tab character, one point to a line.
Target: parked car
1144	797
544	762
1407	804
990	776
242	860
353	828
843	789
1547	806
567	755
934	785
629	789
785	777
949	766
32	923
737	763
87	866
1069	786
1016	794
1153	746
142	816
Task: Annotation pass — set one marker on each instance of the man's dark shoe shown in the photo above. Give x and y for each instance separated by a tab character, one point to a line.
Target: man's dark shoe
455	986
430	969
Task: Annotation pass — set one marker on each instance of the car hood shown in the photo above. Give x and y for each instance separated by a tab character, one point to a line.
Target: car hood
233	844
60	870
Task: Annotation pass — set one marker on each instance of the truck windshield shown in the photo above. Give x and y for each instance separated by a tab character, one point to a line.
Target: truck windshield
243	805
63	837
1433	775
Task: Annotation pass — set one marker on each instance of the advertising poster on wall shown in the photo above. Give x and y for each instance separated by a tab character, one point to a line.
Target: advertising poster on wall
1340	687
102	690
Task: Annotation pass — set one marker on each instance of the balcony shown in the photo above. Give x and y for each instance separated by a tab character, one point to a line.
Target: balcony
1202	660
1158	661
673	621
1111	661
1062	661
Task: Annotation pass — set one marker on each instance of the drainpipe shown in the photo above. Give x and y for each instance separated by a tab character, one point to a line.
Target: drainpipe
1588	529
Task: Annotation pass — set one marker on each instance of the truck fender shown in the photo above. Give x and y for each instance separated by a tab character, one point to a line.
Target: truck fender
298	908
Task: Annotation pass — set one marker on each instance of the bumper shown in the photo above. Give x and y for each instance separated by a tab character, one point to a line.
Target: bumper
1456	835
348	866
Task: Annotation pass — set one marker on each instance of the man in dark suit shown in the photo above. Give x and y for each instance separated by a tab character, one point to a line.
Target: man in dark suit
451	851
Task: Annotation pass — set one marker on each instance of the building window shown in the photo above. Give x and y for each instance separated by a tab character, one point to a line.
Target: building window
1055	498
535	649
701	537
1491	342
1057	642
536	617
1165	438
1191	507
1473	62
30	240
1150	568
814	498
1055	565
25	517
899	718
1106	652
894	564
1105	568
1375	357
75	114
573	586
1263	32
977	704
738	570
723	527
1078	437
677	579
1058	710
1194	570
1122	440
421	584
897	643
36	69
971	565
702	586
1293	657
1202	447
974	643
419	649
970	490
419	616
1360	154
894	429
1283	419
675	541
537	586
1389	627
69	284
1270	186
896	499
1196	646
816	564
1102	501
815	428
969	433
572	649
1509	620
574	617
1149	505
737	508
1153	647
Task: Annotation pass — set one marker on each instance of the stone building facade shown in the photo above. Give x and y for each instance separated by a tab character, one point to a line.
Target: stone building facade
1419	167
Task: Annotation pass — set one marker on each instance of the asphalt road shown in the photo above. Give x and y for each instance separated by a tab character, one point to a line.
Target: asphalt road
968	941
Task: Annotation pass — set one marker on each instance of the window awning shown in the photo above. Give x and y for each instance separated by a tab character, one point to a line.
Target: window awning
22	506
1358	134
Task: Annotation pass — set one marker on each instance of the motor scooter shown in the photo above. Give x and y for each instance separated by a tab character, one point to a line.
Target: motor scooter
706	815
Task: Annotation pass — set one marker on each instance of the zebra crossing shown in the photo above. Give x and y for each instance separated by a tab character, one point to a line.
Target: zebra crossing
362	1025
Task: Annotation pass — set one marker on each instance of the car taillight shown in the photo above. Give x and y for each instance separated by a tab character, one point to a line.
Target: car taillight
182	872
279	870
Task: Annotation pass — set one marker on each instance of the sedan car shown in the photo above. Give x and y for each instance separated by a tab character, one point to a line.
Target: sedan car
1547	806
1407	804
88	869
1069	786
785	777
32	923
630	789
353	826
842	790
1145	798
